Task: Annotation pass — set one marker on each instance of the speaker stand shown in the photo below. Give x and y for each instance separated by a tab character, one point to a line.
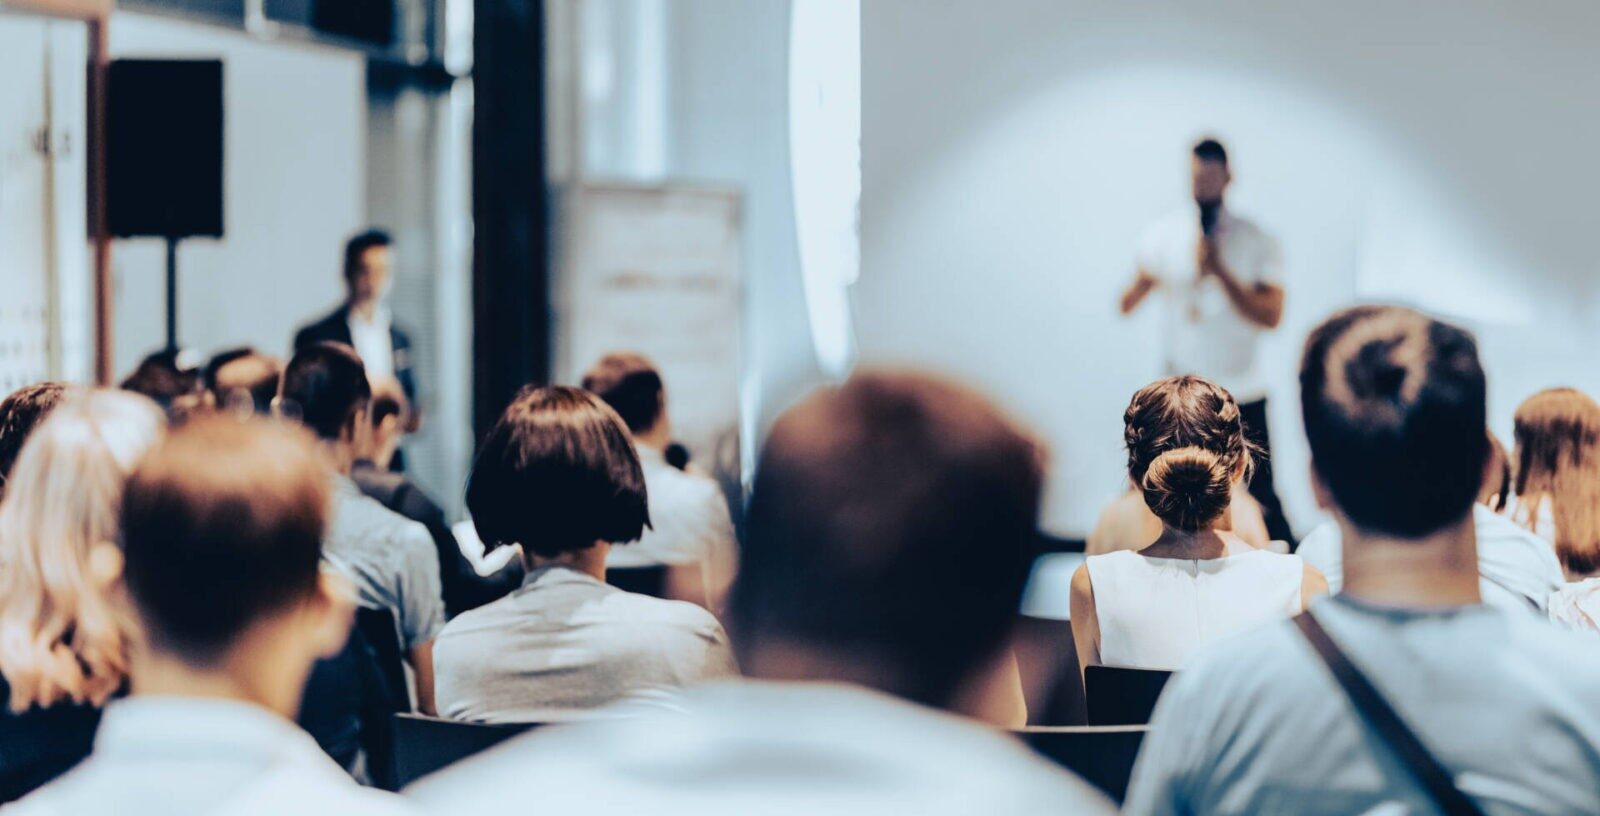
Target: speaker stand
172	293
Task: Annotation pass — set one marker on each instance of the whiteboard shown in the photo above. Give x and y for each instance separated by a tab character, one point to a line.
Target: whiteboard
657	270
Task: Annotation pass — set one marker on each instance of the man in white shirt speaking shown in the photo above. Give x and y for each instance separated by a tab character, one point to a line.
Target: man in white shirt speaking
1221	275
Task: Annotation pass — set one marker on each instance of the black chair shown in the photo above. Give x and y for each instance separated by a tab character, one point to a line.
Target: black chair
1102	756
650	581
1118	696
1047	656
422	745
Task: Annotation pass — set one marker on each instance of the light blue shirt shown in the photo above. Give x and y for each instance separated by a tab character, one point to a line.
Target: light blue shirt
1257	725
741	748
390	559
175	756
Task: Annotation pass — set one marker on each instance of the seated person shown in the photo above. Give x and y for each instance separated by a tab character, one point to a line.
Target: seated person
1558	495
390	558
463	588
1507	705
1128	524
558	476
67	635
20	412
221	529
169	378
1517	570
690	531
879	586
243	380
1150	609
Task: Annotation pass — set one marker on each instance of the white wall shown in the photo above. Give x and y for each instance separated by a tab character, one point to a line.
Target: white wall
1439	151
294	186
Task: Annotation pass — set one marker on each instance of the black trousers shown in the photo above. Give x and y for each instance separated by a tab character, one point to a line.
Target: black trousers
1254	415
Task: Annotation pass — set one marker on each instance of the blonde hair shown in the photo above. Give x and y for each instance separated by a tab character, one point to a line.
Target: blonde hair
1557	457
62	638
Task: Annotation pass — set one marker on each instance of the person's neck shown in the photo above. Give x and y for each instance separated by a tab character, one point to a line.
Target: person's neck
1440	569
1191	545
363	309
341	455
656	438
245	679
590	561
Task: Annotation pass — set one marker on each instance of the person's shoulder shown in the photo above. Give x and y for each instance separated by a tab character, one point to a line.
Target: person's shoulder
648	609
320	328
1546	643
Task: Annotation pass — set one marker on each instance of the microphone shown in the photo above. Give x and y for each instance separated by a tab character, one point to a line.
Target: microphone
1209	210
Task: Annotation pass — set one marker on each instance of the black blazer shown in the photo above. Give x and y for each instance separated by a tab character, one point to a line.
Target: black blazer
335	327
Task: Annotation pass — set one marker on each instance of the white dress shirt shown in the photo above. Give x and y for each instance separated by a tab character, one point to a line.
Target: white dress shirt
373	341
1205	332
689	521
1517	569
175	756
768	748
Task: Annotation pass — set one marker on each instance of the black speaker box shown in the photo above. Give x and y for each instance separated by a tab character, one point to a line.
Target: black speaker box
164	148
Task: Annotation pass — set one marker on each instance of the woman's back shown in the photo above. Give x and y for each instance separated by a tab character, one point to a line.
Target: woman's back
1153	612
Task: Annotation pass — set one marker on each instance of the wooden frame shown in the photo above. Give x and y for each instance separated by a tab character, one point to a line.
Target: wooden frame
95	14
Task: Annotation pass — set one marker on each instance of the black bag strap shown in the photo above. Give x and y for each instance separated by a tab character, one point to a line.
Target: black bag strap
1377	712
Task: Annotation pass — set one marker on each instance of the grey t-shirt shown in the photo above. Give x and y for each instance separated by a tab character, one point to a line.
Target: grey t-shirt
391	560
566	643
1256	724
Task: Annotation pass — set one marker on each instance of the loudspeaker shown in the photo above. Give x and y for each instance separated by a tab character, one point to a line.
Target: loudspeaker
164	148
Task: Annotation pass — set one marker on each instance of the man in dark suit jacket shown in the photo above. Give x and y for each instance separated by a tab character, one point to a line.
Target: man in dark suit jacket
363	321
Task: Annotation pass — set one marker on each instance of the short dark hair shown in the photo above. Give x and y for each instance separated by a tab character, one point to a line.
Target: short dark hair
556	474
163	378
1211	150
358	246
327	386
631	385
891	521
222	525
1394	409
20	413
246	370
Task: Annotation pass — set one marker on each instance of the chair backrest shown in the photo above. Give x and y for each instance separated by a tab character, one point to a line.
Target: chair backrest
650	581
422	745
1118	696
1102	756
378	628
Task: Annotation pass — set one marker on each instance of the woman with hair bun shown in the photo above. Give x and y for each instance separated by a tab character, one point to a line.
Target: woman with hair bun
1150	609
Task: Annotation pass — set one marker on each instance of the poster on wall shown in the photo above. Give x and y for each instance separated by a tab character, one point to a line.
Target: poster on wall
657	270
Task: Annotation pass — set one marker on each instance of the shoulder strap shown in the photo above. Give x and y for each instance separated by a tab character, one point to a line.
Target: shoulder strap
1377	712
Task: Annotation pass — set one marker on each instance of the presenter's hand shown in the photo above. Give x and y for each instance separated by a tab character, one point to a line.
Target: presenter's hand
1208	260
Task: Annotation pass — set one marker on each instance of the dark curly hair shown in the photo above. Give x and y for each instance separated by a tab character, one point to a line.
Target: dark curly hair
1186	446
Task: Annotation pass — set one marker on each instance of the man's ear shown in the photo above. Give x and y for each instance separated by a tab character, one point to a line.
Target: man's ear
105	565
332	612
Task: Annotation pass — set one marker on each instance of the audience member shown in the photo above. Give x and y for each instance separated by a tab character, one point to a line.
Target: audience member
1507	706
21	412
390	558
463	588
64	634
690	531
1127	523
173	383
1558	495
1517	570
221	529
886	551
243	380
1199	581
558	476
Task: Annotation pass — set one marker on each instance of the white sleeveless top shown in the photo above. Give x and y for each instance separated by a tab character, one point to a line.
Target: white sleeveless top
1154	612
